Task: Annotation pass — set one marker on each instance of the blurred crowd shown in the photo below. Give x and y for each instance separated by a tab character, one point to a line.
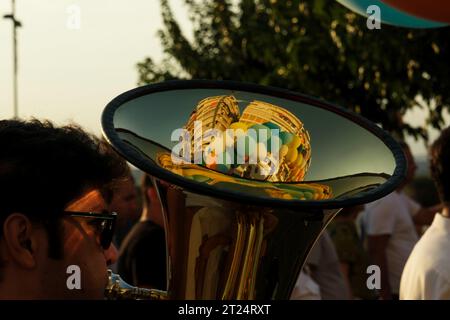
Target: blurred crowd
390	249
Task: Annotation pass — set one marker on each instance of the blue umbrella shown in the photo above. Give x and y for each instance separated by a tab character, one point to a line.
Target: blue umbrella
390	15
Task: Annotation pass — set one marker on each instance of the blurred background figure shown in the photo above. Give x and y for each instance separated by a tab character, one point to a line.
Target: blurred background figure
125	203
324	267
427	272
390	226
353	258
305	288
142	255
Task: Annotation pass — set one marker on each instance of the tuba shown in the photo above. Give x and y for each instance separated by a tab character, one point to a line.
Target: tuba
247	177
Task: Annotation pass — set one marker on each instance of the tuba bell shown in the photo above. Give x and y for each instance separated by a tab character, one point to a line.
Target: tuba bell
247	178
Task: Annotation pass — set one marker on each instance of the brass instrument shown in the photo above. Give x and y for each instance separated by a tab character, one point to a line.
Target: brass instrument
231	232
223	250
117	289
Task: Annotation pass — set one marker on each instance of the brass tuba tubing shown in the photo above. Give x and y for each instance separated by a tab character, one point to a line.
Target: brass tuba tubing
224	250
118	289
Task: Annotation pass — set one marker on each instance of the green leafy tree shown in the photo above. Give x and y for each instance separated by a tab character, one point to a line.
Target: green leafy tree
317	47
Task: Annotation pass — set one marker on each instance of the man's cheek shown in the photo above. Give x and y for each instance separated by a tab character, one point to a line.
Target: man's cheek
73	244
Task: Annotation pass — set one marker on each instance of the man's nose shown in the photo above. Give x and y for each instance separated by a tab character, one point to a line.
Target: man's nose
111	254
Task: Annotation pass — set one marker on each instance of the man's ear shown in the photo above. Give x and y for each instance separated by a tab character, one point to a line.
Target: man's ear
19	240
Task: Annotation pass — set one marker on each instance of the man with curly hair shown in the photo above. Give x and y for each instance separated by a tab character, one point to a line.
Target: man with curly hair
55	183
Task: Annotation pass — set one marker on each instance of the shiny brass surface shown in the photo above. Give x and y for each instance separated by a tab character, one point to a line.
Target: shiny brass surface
234	229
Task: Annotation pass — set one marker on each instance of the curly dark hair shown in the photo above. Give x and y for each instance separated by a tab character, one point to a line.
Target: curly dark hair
440	165
43	168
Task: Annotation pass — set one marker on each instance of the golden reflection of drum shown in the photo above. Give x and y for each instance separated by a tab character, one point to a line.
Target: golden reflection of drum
275	132
238	230
300	191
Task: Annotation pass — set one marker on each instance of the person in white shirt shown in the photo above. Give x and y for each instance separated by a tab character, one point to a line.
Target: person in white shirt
325	269
427	272
305	288
390	226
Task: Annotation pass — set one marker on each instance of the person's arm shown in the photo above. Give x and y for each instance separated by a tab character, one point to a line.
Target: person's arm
149	260
377	245
425	216
345	269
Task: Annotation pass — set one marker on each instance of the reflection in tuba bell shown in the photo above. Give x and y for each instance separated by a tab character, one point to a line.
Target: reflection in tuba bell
237	229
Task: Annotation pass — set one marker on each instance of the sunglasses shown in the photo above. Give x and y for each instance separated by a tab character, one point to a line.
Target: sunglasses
104	224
